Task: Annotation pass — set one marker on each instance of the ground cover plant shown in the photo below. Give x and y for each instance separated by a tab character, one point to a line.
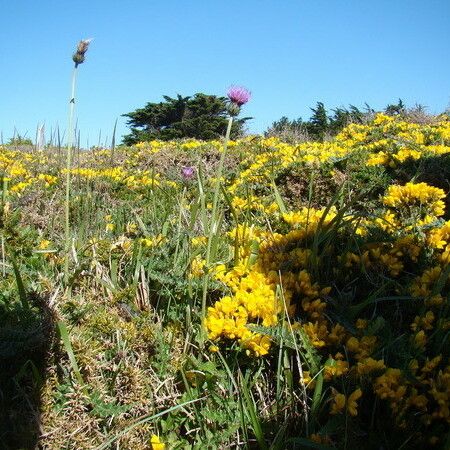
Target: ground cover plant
243	294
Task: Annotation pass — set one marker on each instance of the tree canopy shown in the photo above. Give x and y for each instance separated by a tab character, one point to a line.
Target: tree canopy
200	116
322	125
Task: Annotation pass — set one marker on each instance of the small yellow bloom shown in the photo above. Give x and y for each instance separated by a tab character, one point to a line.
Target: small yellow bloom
198	267
131	228
420	339
156	443
361	324
338	403
44	244
352	405
369	365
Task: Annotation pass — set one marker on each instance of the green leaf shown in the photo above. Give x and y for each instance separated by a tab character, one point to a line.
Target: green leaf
317	396
251	411
105	410
278	199
20	287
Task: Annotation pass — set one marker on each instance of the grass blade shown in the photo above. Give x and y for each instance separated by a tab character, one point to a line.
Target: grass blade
68	346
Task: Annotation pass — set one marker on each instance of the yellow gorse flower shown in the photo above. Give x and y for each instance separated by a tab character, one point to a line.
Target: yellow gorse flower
340	401
156	443
420	194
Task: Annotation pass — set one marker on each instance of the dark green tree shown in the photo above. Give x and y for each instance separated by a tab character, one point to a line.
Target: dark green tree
395	109
344	116
200	116
319	122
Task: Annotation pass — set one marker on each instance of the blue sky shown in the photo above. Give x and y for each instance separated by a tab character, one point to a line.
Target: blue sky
289	53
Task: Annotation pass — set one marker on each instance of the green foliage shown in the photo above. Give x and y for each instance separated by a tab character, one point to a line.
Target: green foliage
19	140
26	331
132	360
395	108
200	116
345	116
319	122
322	125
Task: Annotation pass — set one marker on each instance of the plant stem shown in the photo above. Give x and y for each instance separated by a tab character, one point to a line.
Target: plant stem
68	168
213	227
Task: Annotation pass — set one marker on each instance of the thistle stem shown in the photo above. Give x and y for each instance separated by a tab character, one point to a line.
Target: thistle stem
68	168
214	225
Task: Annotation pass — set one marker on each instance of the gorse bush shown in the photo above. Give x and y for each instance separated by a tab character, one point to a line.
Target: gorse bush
327	290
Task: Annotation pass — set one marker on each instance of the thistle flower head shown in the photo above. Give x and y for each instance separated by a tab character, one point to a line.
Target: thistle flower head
187	172
239	95
82	47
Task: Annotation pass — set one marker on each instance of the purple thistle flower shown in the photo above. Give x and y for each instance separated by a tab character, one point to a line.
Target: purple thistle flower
187	172
239	95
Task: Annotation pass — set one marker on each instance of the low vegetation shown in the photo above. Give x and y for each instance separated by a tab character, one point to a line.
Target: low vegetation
309	308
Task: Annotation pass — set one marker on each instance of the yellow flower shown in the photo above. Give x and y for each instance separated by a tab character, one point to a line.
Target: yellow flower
307	380
361	324
131	228
419	401
389	387
420	194
317	333
337	335
156	443
199	240
335	368
361	348
352	405
198	267
338	402
369	365
420	339
44	244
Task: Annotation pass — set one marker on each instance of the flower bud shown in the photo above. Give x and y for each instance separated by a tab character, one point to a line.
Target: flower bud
233	109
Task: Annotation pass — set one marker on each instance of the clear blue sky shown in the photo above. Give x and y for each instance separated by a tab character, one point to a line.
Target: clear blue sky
289	53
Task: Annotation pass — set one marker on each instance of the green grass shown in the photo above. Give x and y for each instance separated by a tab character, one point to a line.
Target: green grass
126	355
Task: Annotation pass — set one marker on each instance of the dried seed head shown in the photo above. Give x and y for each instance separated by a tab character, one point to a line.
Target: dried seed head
78	57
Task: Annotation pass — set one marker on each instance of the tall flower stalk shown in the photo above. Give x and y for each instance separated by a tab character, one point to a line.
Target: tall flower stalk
238	96
78	58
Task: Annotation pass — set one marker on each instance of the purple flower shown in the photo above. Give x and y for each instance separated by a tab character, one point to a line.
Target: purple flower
187	172
239	95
